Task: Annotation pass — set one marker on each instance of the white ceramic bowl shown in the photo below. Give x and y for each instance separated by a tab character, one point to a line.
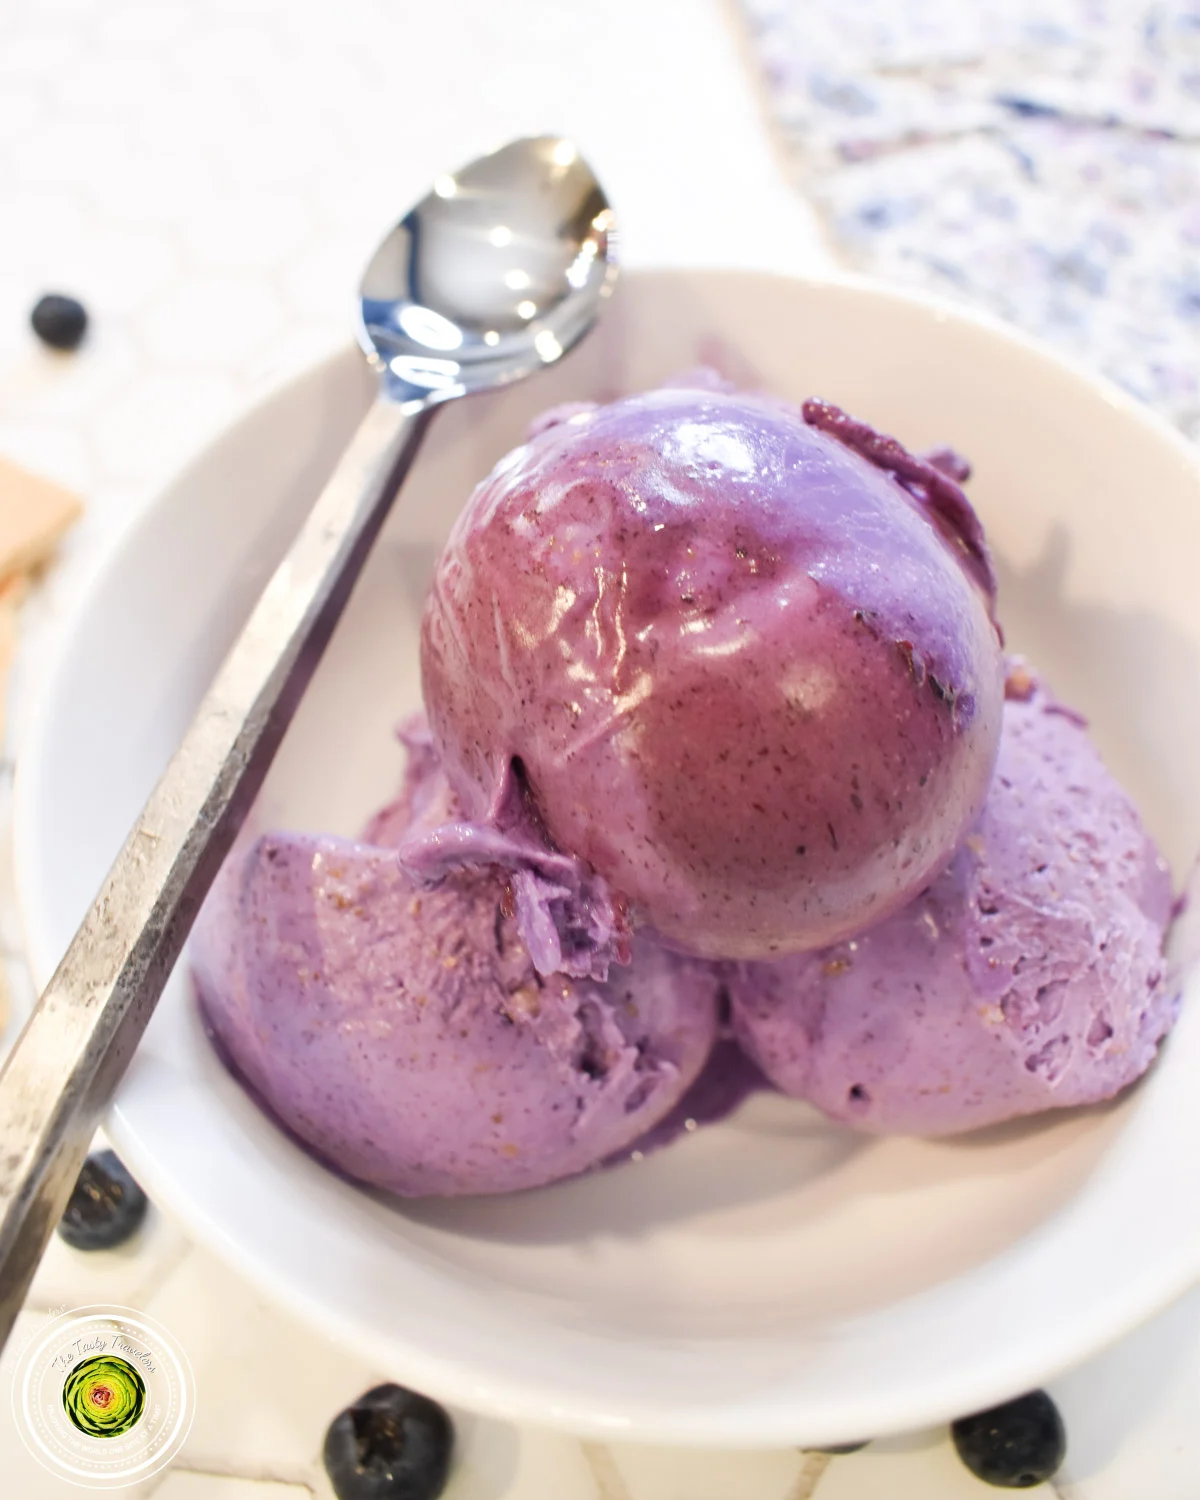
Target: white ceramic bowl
773	1279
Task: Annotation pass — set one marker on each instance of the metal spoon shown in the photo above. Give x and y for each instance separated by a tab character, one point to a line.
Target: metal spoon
498	272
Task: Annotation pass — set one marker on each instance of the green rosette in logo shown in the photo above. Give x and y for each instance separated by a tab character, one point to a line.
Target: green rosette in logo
105	1396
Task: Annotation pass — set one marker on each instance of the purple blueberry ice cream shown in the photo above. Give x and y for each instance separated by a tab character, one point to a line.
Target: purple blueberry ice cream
1028	975
739	657
715	697
405	1035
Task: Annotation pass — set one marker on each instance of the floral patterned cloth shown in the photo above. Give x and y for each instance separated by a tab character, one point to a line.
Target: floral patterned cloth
1041	157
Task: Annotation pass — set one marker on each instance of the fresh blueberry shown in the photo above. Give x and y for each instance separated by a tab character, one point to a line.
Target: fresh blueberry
59	321
1014	1446
107	1206
391	1444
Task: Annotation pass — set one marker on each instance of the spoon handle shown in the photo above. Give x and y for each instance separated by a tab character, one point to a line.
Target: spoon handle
72	1054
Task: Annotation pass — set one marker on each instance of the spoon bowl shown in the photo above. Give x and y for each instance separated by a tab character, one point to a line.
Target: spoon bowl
497	272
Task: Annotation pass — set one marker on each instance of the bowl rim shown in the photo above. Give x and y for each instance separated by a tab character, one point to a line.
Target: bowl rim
741	1427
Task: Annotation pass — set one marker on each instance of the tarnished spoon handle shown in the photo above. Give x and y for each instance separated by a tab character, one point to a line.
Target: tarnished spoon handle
69	1059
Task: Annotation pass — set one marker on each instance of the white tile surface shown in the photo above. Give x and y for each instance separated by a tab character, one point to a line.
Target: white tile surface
208	175
266	1387
185	1486
664	1474
496	1462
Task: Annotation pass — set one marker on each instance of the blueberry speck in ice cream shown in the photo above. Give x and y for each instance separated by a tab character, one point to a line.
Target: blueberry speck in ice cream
391	1444
1015	1446
107	1206
59	321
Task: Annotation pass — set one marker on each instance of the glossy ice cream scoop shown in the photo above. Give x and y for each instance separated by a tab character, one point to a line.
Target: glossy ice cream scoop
740	658
406	1037
1030	975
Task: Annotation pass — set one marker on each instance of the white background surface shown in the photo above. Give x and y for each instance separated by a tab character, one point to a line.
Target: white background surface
207	175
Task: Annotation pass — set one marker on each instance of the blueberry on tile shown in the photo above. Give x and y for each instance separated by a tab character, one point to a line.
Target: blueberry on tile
1015	1446
390	1444
59	321
106	1207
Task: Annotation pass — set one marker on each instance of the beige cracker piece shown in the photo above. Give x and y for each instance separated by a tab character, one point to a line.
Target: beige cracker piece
12	591
34	513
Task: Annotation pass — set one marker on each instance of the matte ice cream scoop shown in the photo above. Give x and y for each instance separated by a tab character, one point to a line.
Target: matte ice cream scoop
739	659
1029	975
404	1034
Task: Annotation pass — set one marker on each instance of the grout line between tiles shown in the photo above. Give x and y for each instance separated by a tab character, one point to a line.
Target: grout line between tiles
809	1477
609	1482
212	1468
